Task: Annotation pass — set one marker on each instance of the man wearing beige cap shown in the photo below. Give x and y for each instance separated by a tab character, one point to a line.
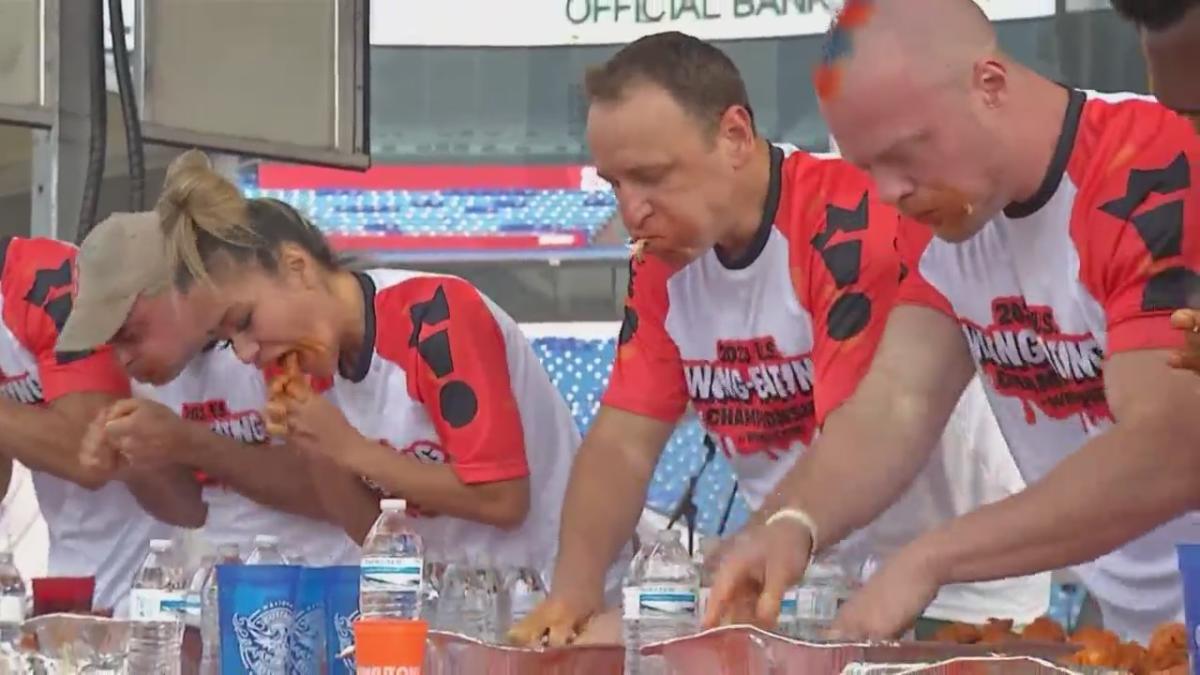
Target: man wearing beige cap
197	406
47	398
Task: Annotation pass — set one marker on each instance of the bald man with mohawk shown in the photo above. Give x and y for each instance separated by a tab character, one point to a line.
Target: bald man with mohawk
1053	233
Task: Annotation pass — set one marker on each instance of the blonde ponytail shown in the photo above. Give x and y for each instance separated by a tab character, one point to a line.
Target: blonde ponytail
196	202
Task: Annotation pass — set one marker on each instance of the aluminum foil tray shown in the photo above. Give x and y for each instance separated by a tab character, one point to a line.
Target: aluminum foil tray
981	665
746	650
453	654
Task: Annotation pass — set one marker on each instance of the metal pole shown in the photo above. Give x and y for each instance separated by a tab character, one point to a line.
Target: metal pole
43	191
63	156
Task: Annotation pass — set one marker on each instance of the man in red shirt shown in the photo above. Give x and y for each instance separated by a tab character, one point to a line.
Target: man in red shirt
48	398
768	273
1058	230
1170	31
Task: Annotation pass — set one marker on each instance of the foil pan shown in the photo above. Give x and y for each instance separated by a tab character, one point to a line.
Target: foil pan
81	643
746	650
981	665
454	654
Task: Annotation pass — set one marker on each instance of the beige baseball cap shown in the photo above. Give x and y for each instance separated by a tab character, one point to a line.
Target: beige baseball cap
121	258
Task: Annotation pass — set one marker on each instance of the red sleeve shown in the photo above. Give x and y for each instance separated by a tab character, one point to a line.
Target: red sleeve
846	272
38	279
911	242
1136	220
456	358
647	375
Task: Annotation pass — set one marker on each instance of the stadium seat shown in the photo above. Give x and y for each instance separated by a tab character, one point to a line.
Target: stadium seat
579	369
441	212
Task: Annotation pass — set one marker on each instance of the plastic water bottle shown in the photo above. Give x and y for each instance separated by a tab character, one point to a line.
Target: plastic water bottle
703	557
494	600
659	600
435	572
210	620
392	566
266	551
526	590
468	604
12	601
808	610
459	607
194	604
156	605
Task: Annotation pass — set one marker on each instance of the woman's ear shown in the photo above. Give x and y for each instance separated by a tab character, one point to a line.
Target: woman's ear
298	267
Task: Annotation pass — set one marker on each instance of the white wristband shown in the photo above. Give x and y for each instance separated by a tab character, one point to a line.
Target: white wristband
800	516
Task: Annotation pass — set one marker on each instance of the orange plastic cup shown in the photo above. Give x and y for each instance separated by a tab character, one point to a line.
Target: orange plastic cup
391	646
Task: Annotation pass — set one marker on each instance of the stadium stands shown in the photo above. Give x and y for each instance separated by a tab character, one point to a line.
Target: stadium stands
579	368
479	209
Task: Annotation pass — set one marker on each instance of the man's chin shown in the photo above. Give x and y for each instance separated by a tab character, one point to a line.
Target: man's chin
156	378
954	233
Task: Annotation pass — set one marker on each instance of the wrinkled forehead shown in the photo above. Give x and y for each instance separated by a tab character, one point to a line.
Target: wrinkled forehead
870	115
645	126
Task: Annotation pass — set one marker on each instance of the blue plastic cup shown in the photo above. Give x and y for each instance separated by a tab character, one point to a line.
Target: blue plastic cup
257	606
307	652
341	611
1189	568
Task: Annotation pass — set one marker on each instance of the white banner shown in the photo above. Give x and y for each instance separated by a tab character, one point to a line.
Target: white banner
531	23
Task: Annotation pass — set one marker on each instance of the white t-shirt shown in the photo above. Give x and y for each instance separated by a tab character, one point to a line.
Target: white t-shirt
23	527
218	389
447	377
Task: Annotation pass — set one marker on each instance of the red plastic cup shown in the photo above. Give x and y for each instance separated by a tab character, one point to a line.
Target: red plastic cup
73	595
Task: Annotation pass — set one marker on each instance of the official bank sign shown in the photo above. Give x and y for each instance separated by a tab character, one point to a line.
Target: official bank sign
529	23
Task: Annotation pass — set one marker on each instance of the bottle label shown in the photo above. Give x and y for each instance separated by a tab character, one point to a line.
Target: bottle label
193	607
651	601
387	573
12	609
151	604
809	603
523	604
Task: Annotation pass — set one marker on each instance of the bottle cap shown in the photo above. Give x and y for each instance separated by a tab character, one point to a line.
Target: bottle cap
160	545
266	540
393	504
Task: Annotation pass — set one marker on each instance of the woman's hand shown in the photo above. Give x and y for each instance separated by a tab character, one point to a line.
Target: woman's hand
315	425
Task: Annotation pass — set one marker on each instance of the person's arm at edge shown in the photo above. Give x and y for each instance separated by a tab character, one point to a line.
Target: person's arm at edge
254	471
890	425
47	438
1138	474
870	450
604	498
503	502
612	468
170	493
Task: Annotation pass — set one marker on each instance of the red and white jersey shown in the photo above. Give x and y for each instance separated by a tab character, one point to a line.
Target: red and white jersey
765	347
219	390
1091	266
447	377
102	532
